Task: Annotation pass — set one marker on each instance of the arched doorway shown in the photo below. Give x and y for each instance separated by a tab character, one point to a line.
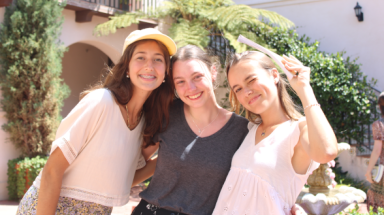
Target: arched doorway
83	65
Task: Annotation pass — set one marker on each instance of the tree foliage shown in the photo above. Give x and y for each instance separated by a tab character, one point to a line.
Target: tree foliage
195	20
30	58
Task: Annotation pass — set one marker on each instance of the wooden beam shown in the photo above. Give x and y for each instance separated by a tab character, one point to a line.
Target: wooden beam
84	16
143	25
5	3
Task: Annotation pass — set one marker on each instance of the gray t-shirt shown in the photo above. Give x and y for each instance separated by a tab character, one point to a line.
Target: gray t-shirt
190	171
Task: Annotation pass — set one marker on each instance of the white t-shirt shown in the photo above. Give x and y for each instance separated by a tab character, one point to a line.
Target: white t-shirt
102	152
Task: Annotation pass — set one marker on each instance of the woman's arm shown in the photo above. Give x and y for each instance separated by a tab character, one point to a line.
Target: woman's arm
50	185
145	172
149	151
316	134
372	161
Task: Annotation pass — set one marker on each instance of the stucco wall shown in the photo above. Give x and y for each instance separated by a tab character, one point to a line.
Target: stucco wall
111	45
82	66
356	166
334	24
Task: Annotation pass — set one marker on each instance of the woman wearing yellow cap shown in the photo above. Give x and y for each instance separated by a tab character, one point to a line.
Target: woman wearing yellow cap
98	145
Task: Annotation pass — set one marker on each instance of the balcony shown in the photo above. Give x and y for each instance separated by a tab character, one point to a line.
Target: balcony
85	9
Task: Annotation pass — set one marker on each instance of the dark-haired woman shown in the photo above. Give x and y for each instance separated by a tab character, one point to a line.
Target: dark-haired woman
98	145
375	194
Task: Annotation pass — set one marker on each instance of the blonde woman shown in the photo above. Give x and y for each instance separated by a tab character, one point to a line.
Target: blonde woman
98	145
275	159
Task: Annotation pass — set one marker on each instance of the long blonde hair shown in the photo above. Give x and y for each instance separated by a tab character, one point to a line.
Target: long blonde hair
286	102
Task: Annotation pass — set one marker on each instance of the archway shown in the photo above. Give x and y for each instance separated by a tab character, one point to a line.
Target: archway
83	65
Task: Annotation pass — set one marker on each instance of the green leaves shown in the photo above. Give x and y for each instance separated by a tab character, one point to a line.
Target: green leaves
22	173
30	55
189	32
118	21
340	87
195	20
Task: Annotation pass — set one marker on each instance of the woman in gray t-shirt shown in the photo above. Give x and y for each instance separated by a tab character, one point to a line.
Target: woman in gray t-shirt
196	150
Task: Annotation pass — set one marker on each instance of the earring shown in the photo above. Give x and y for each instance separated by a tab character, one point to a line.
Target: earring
177	96
163	80
127	76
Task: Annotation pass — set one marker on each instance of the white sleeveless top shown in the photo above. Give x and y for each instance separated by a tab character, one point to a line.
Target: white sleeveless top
262	179
103	154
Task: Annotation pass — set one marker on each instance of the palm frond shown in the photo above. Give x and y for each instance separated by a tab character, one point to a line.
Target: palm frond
118	21
230	17
185	32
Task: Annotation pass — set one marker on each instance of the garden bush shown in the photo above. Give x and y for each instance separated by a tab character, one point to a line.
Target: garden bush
21	174
30	59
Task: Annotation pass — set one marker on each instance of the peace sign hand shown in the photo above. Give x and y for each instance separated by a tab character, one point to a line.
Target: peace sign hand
301	73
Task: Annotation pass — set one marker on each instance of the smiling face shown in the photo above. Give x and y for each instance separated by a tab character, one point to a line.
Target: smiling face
193	82
147	66
254	86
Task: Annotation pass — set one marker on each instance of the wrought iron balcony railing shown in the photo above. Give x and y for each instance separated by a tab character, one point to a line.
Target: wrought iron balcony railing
128	5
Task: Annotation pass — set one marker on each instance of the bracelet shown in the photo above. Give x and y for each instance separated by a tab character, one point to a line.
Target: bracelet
311	105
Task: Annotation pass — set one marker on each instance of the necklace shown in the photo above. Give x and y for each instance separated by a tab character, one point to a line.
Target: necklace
263	133
201	130
138	116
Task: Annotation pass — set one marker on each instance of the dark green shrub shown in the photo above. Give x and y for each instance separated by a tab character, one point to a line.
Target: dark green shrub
22	173
30	59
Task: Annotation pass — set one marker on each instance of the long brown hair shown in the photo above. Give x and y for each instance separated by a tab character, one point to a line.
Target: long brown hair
155	108
287	104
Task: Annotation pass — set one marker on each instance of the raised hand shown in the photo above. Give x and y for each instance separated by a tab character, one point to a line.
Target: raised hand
301	76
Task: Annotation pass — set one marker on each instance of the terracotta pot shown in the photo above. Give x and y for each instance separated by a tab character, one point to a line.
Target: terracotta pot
5	3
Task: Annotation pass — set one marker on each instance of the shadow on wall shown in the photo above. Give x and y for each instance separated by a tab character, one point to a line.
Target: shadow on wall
83	65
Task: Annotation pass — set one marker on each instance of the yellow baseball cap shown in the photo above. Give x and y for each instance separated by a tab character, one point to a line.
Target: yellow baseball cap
151	33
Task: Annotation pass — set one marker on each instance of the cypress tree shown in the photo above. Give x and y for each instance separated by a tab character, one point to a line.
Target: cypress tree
30	68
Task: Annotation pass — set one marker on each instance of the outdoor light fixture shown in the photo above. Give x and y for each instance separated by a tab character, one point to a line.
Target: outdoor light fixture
358	12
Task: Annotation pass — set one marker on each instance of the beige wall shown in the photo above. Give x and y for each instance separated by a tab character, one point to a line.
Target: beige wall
356	166
111	45
83	65
334	24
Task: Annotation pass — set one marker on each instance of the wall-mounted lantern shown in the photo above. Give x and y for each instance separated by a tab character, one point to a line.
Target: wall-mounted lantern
358	12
